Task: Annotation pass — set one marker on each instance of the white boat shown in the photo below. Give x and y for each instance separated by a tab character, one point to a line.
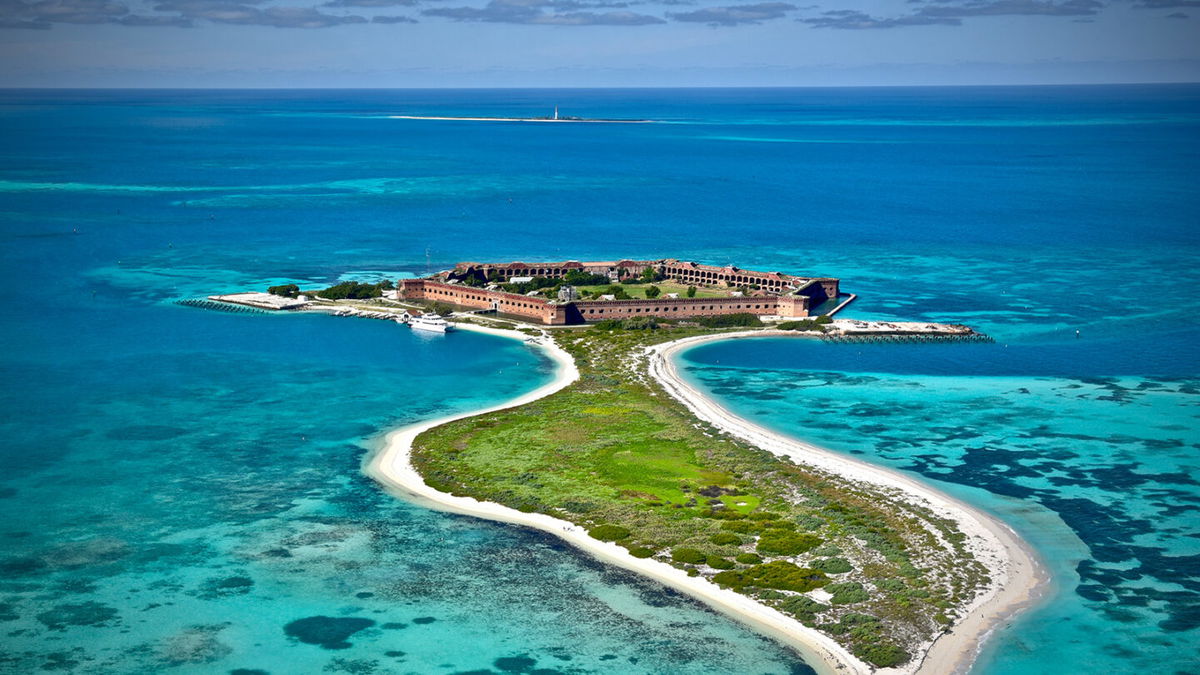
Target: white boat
430	322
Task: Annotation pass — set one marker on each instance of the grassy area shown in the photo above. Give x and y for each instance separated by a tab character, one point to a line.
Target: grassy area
615	454
639	290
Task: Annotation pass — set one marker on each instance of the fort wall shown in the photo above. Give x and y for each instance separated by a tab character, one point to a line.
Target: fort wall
777	295
537	309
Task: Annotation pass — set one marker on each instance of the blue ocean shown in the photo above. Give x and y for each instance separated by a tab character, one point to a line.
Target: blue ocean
181	490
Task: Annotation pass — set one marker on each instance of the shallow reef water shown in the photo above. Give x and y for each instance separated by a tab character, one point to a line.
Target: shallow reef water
1100	473
179	487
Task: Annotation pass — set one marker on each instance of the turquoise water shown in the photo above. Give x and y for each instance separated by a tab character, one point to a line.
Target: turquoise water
181	489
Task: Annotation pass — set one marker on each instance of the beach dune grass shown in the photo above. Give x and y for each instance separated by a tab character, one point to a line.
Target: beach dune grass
615	454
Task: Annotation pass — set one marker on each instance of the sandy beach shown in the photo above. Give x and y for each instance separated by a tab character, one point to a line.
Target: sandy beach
1016	571
1018	577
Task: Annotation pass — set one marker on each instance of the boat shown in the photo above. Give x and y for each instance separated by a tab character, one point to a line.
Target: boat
430	322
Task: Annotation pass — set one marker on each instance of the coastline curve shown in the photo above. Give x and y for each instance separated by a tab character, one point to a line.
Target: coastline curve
391	467
1020	579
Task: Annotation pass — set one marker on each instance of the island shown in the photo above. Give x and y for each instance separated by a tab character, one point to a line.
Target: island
547	118
859	568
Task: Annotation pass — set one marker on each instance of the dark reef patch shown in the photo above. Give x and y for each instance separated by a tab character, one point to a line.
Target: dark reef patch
327	631
422	620
80	614
515	664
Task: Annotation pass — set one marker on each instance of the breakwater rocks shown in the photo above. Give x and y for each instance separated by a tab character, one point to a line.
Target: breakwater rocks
896	339
857	331
201	303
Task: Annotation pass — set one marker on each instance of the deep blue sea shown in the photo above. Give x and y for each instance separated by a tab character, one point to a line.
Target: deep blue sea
180	490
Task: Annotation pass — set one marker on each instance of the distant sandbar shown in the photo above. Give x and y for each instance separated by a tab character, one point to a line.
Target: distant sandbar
517	119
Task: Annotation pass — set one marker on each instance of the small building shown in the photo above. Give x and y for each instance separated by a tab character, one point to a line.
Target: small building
568	294
520	280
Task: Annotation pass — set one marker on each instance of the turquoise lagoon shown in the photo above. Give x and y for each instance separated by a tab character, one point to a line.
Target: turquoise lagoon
181	490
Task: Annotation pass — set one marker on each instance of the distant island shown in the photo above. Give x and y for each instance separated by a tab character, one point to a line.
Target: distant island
547	118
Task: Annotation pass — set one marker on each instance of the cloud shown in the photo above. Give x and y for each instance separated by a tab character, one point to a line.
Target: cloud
735	14
535	12
369	3
41	14
145	20
848	19
1012	8
1165	4
222	11
393	19
952	12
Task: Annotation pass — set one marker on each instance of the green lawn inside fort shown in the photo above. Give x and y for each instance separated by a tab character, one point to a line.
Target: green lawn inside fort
638	291
615	454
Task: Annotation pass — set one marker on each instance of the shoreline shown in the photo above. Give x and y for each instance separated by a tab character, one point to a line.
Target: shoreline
1022	578
391	467
1019	579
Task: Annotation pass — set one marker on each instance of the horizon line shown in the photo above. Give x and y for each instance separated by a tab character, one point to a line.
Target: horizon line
603	88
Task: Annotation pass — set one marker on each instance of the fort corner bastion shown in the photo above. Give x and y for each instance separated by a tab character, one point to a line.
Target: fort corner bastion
727	290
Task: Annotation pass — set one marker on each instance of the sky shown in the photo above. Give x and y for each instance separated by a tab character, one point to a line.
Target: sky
594	43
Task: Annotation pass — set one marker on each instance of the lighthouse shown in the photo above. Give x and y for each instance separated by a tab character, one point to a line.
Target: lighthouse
556	112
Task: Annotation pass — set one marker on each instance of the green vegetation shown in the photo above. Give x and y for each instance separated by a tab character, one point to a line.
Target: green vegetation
615	454
718	563
286	290
777	574
691	291
847	593
535	284
818	324
353	290
636	323
729	321
652	292
688	555
726	539
581	278
608	532
833	565
633	288
783	542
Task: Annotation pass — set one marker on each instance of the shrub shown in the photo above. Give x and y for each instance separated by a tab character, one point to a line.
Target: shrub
881	654
729	320
749	558
581	278
894	585
653	292
833	565
688	555
783	542
764	515
286	290
717	562
778	574
691	291
731	579
743	526
641	552
352	290
725	539
804	609
803	324
847	593
608	532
